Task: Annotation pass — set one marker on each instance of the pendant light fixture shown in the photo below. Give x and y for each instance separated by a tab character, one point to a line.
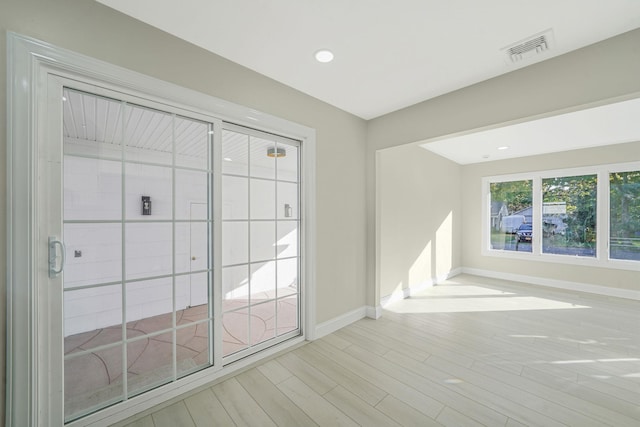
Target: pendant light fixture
276	152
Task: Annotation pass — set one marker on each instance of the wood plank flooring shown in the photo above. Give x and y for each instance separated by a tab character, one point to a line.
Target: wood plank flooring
469	352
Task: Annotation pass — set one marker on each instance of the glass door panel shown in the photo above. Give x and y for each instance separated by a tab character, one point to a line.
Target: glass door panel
137	228
260	187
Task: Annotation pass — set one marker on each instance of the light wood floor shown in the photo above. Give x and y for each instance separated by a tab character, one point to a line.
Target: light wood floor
469	352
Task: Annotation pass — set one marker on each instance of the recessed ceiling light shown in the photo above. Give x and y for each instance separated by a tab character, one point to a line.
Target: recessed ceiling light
324	55
504	147
227	159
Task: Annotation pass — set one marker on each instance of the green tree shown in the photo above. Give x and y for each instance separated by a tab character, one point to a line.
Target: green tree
579	193
624	204
517	195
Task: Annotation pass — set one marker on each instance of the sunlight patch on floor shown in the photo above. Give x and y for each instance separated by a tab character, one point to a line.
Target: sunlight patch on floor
484	304
459	290
568	362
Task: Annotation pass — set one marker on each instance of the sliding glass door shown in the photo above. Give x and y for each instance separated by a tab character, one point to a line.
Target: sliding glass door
153	247
139	305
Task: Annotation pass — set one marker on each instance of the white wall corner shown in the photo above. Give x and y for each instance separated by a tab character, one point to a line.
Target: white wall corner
330	326
374	312
559	284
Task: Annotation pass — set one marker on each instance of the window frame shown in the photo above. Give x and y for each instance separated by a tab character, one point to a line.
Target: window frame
603	222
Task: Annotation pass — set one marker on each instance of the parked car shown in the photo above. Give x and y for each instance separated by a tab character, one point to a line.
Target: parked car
523	233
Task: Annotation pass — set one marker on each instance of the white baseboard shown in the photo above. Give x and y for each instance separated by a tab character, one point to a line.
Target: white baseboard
413	290
330	326
374	312
553	283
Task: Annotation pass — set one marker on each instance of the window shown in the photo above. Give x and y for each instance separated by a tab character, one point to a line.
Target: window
511	209
624	215
569	215
588	216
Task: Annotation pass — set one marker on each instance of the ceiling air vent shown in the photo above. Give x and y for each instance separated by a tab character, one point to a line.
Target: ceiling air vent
529	47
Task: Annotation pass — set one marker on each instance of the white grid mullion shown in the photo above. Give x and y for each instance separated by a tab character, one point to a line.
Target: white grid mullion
214	212
125	364
275	250
174	358
249	284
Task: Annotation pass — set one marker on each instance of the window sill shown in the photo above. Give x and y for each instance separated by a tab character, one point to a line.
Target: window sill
596	262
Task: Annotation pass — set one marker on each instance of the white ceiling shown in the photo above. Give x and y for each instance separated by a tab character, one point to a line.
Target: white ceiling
614	123
388	54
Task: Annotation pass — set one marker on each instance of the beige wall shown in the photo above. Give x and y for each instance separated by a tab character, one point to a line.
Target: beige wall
598	72
472	207
97	31
419	218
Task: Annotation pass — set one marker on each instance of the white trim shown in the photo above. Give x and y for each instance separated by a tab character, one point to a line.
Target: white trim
308	238
377	231
29	62
413	290
330	326
553	283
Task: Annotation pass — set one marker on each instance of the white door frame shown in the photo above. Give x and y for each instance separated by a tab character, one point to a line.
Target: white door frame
31	63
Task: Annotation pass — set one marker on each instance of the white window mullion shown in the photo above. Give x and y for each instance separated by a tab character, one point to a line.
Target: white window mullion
275	250
174	333
215	245
602	216
537	216
249	222
123	171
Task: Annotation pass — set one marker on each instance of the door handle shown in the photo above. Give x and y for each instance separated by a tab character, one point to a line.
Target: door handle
53	257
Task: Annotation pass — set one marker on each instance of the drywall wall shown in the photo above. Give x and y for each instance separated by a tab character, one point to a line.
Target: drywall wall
592	74
97	31
419	218
472	219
